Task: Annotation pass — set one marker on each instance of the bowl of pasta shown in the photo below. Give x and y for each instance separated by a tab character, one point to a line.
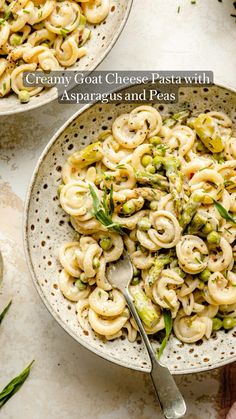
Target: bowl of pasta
52	35
158	181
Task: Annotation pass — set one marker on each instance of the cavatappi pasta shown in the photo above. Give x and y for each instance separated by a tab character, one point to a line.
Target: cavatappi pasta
165	191
44	35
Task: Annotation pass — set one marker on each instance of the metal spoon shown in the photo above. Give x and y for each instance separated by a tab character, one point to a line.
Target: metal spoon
172	403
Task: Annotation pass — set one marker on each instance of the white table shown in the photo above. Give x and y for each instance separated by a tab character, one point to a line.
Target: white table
67	381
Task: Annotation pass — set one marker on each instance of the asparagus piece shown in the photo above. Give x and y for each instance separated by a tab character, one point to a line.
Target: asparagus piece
171	166
197	223
156	269
180	117
87	156
144	306
155	180
209	133
190	209
169	122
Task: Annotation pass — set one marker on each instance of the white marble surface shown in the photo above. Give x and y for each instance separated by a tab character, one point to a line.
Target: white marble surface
67	381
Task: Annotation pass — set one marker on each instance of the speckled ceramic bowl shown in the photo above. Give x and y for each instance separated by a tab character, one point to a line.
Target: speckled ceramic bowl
46	227
103	38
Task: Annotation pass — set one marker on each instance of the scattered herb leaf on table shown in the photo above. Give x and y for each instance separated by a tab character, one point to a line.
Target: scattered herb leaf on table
14	385
4	312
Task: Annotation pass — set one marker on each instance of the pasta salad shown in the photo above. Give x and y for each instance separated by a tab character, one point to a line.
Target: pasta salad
164	190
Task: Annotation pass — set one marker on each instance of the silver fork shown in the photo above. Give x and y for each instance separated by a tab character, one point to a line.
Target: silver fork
172	403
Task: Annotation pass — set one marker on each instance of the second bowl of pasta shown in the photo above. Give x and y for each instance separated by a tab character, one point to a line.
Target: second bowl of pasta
49	36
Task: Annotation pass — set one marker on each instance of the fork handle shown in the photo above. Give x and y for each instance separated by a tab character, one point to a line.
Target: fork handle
170	398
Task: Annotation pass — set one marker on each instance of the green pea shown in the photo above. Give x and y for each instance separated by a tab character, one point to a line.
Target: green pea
96	263
80	285
154	205
128	208
146	160
106	243
136	272
216	324
144	224
207	228
155	140
15	39
157	161
205	275
213	238
151	169
229	323
135	280
24	96
83	277
201	285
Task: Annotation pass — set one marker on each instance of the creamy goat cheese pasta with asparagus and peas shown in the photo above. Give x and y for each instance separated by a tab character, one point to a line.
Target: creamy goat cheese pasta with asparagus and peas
164	190
44	35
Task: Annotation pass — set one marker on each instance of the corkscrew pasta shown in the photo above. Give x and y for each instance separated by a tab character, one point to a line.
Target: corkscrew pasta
44	35
163	189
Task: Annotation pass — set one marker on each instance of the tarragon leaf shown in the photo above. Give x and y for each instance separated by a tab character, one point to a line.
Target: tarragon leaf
105	206
101	211
14	385
168	328
111	200
223	212
4	312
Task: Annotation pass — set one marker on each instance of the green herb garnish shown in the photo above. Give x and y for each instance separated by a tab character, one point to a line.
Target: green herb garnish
4	312
111	201
102	212
14	385
223	212
120	166
64	32
168	328
5	18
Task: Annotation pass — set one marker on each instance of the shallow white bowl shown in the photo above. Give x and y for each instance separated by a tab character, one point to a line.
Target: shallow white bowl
46	227
102	40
